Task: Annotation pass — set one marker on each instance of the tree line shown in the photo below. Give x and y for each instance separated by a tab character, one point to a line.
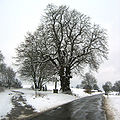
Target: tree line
7	75
107	87
63	44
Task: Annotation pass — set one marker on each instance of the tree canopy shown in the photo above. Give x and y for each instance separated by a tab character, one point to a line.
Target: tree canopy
89	82
7	75
117	86
107	87
68	41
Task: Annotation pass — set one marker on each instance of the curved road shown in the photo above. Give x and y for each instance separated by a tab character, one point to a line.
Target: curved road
88	108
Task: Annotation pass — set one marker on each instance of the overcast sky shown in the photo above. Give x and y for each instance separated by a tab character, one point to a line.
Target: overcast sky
20	16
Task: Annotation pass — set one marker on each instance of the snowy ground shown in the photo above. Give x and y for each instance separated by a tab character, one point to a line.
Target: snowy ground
114	105
47	100
5	103
44	100
80	92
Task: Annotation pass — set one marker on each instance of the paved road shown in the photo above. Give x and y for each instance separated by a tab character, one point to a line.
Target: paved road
88	108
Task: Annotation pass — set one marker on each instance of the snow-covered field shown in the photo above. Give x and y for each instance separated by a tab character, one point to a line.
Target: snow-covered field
80	92
44	100
114	104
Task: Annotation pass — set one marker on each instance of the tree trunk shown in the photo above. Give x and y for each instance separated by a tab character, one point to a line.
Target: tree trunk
35	84
61	73
55	84
65	79
40	84
9	84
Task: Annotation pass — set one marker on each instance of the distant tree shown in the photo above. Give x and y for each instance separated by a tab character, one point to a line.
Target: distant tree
107	87
117	86
113	88
89	81
95	87
2	66
1	57
2	71
16	84
7	75
78	86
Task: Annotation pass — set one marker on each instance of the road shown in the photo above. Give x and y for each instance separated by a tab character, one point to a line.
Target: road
88	108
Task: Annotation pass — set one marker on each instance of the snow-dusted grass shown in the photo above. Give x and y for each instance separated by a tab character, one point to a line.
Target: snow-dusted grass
5	103
80	92
114	103
46	100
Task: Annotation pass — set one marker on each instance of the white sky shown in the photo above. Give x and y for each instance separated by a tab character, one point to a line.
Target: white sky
20	16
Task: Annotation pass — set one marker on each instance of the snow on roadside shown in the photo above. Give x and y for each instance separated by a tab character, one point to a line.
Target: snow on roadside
5	103
79	92
49	101
46	100
114	103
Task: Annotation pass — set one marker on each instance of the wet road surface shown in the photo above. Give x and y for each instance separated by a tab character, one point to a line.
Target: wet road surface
88	108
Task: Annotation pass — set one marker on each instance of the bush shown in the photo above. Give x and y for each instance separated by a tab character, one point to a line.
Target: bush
88	91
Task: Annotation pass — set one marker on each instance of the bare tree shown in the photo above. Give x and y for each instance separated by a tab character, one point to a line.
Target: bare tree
30	58
69	41
73	42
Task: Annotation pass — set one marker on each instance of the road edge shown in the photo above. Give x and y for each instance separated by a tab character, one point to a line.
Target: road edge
108	111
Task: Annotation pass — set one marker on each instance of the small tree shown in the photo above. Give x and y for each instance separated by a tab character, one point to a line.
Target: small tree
107	87
89	82
95	87
117	86
9	77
